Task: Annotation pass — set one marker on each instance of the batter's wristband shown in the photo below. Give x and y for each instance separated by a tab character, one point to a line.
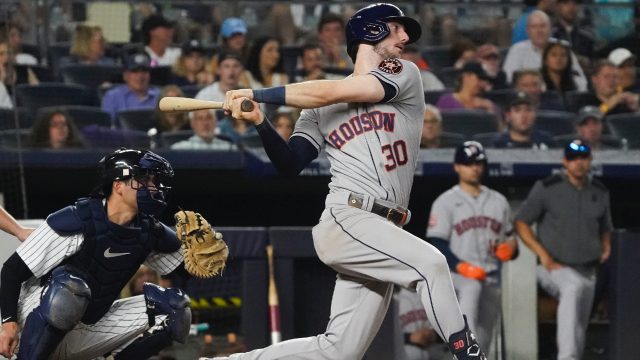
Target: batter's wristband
273	95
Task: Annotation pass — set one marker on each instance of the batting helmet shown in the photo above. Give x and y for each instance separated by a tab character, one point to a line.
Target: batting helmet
144	165
369	25
470	152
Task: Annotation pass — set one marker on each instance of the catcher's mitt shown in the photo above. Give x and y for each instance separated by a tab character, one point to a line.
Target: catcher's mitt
205	253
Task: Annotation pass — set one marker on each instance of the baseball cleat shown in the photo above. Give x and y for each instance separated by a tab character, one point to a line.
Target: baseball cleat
464	346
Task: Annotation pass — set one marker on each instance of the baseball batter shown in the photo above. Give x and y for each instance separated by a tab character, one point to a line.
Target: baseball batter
60	286
11	226
471	225
369	124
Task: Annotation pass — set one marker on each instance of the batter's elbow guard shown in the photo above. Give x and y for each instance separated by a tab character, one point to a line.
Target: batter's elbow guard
174	304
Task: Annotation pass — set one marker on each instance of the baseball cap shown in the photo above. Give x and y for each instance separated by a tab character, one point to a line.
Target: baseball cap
155	21
232	26
228	55
620	55
475	68
138	61
577	149
519	98
470	152
589	112
192	46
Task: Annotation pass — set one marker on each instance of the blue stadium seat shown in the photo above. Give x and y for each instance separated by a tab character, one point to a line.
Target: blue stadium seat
91	76
84	115
486	139
468	122
9	138
7	118
34	97
576	100
160	75
555	122
449	76
191	90
290	54
56	52
437	57
500	97
168	139
136	119
451	140
625	127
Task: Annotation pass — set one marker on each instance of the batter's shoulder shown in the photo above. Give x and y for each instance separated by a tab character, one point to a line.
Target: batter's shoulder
552	180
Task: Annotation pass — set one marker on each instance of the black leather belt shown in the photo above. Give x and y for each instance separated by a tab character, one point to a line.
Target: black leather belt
397	216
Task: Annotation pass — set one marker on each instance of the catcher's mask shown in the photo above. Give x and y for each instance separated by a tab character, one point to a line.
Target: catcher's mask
147	171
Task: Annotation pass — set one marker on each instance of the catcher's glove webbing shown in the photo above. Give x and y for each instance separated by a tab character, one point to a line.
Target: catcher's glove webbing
205	253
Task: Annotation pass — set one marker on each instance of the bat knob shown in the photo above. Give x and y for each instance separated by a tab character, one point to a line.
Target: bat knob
246	105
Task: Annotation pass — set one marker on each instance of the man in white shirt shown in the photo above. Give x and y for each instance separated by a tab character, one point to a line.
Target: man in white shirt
203	123
158	35
229	71
527	54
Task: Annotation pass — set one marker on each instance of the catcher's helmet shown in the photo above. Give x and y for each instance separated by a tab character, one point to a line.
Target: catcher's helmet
369	25
470	152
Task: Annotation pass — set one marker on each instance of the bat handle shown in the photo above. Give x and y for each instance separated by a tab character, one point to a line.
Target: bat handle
246	105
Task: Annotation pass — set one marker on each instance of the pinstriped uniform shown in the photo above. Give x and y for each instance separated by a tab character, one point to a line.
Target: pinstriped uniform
126	319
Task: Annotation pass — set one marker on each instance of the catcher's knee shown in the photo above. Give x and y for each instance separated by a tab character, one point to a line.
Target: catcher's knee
174	304
65	300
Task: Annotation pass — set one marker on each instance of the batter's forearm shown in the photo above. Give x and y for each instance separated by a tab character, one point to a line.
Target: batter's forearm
8	223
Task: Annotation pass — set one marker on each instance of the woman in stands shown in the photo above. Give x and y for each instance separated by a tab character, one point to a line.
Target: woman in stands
87	47
556	70
473	81
189	69
265	66
55	130
171	122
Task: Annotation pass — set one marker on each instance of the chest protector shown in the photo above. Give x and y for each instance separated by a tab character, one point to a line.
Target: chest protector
110	254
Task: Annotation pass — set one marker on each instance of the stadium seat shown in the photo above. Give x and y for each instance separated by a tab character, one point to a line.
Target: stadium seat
555	122
449	76
35	97
431	97
169	139
500	97
7	118
191	90
31	49
609	141
437	57
451	140
576	100
290	54
486	139
9	138
137	119
55	53
42	73
468	122
91	76
84	115
99	137
160	75
626	127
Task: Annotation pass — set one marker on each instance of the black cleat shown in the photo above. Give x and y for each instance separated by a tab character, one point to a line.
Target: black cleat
464	346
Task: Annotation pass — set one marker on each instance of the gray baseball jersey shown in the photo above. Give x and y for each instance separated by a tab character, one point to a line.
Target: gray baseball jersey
45	249
473	225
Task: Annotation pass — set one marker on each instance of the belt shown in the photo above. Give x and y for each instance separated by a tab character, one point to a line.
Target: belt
398	215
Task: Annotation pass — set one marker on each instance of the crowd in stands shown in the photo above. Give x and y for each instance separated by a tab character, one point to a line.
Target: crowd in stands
534	93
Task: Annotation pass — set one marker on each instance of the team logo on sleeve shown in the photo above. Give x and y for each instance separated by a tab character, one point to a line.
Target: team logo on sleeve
391	66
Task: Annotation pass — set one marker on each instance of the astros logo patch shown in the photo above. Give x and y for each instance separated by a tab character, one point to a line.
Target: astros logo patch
391	66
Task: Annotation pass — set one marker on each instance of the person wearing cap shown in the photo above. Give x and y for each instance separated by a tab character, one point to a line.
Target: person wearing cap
573	236
520	116
589	128
189	69
606	95
527	54
135	93
331	38
473	81
234	37
568	26
228	71
625	62
158	36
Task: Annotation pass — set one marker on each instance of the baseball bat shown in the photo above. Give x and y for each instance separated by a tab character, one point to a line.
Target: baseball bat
175	103
274	302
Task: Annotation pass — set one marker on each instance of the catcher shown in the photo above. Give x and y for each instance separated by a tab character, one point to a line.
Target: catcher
60	286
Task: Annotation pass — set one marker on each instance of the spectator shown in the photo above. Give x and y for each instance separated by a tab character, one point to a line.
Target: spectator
236	130
5	97
520	29
234	39
431	128
331	38
556	68
573	235
471	84
229	70
311	62
135	93
606	95
158	36
529	81
284	123
9	75
170	122
265	67
527	54
520	116
13	35
463	51
88	47
568	27
203	123
489	56
189	69
55	130
625	62
589	128
430	81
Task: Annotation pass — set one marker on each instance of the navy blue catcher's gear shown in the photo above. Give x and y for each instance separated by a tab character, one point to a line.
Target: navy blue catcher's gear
142	166
470	152
369	25
171	302
63	304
